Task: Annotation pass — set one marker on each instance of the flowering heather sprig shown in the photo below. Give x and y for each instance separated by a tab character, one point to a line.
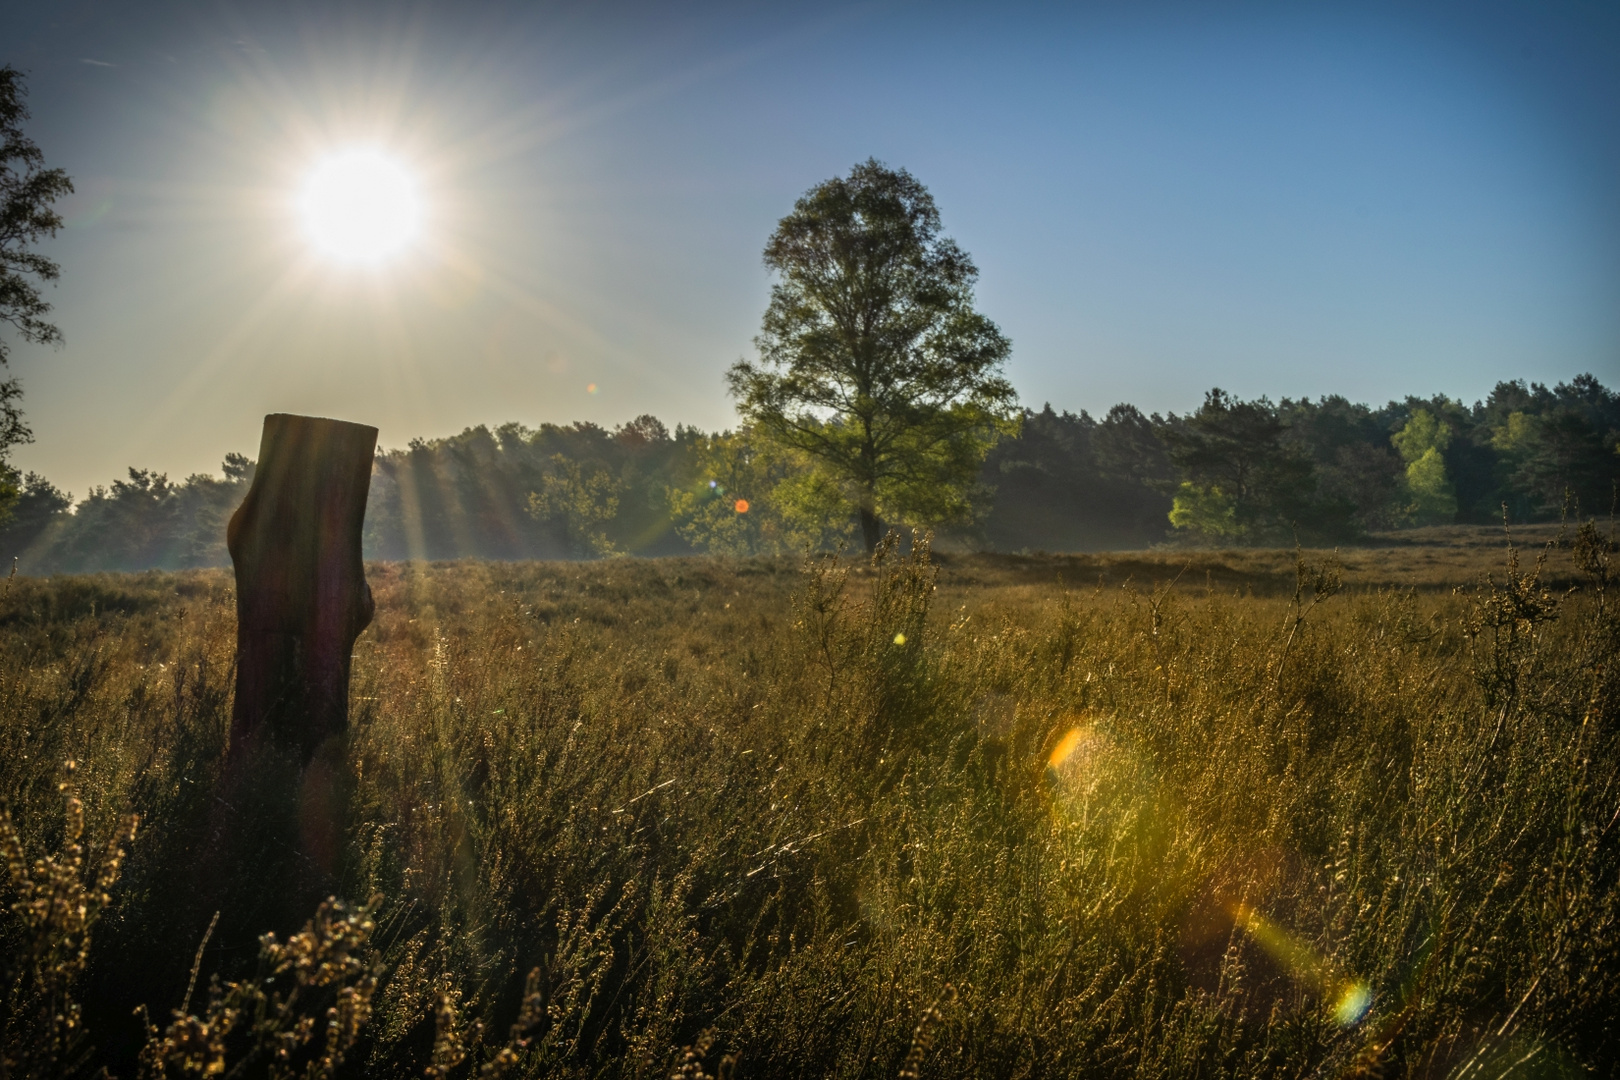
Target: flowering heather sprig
689	1064
922	1038
58	900
327	955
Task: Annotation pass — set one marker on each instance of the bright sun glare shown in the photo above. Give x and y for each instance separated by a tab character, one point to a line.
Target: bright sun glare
360	206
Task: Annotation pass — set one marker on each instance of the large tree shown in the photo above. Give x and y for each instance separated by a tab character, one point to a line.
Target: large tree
873	363
27	192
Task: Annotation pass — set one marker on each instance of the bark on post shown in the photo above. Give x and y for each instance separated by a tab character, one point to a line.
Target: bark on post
301	592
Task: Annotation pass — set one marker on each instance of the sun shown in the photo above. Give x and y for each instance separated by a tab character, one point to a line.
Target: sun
360	206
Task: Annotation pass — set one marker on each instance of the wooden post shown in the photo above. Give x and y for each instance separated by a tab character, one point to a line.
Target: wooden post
301	592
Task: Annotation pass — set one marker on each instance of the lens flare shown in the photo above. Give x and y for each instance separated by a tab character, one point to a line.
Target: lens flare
1354	1001
1351	998
1080	766
742	506
1066	747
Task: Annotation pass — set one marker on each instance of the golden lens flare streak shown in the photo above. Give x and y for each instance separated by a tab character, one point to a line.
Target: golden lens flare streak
1350	998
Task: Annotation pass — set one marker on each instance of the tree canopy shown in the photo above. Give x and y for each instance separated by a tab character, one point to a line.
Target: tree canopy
28	191
873	364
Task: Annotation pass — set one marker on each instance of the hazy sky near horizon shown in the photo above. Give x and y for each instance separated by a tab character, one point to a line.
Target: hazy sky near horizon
1358	198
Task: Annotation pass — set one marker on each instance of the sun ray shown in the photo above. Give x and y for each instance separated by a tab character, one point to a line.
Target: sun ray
182	397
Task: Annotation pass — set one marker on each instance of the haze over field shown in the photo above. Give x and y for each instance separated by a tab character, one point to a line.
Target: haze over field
1362	199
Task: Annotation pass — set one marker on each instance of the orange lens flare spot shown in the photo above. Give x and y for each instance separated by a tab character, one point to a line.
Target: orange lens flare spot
742	506
1066	746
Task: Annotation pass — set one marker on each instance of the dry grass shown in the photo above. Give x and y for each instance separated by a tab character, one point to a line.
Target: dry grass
757	810
1427	560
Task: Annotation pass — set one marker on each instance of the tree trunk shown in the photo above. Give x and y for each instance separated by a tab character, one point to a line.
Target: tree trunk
301	592
871	529
276	836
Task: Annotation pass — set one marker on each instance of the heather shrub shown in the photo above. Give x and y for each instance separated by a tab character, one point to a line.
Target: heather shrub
849	817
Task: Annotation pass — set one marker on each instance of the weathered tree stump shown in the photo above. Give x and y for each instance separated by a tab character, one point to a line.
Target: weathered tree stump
301	592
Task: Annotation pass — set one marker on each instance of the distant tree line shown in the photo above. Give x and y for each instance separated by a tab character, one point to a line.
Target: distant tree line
1232	472
1330	470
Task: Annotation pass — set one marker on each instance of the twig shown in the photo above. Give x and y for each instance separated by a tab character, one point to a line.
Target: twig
196	964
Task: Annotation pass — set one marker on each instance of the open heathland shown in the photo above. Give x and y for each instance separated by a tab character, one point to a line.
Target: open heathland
1165	814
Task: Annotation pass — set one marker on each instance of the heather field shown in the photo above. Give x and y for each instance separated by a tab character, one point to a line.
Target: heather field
1163	814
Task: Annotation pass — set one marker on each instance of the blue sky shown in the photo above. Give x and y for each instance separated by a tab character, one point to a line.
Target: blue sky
1365	199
